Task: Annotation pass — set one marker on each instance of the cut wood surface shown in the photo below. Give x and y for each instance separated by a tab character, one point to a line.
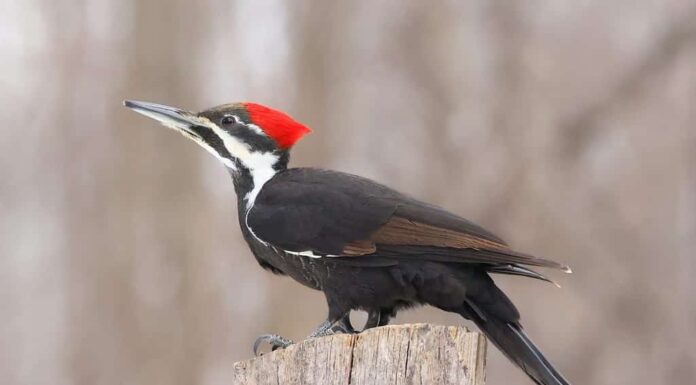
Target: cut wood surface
389	355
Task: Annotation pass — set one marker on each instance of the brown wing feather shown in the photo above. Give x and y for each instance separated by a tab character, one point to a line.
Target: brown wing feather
360	247
401	231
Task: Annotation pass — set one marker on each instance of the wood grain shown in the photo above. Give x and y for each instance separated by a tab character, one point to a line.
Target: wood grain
391	355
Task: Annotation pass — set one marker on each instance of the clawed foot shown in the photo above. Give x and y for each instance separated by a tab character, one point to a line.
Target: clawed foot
276	342
326	328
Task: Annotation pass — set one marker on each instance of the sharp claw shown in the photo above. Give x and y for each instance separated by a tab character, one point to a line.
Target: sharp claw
274	340
258	342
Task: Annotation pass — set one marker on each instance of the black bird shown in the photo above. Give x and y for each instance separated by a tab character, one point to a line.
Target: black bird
364	245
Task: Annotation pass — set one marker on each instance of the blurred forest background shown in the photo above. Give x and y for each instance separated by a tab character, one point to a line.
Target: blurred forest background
568	128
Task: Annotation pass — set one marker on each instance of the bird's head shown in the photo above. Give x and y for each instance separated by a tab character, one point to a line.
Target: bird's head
241	135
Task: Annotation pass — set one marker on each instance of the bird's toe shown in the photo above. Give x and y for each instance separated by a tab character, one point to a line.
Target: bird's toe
276	342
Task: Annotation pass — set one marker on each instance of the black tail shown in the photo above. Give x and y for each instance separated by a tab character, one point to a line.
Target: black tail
512	340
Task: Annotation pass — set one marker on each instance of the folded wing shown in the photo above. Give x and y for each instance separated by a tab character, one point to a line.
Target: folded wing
342	215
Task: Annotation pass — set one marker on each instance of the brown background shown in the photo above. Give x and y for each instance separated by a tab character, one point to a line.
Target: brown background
569	128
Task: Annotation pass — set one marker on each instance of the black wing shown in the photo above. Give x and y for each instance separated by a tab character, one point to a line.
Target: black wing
338	214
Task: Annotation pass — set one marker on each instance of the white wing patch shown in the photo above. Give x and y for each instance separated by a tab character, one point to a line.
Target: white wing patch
307	253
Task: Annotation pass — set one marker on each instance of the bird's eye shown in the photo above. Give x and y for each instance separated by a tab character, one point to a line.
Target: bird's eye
228	120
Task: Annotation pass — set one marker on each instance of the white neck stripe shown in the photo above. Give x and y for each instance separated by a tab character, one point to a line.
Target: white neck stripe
260	164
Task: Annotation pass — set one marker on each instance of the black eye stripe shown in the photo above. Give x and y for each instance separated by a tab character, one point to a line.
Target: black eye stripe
252	138
236	124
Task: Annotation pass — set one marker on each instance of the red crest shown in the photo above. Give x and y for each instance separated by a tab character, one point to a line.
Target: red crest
278	125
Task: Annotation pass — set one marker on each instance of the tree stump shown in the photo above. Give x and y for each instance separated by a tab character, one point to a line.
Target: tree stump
391	355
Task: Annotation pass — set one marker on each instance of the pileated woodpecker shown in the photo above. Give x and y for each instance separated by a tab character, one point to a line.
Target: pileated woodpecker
364	245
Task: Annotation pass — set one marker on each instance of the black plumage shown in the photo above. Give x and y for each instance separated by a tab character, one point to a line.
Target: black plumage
364	245
320	211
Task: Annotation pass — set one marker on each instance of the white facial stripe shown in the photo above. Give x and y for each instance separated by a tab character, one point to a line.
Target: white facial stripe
256	129
260	164
250	126
227	162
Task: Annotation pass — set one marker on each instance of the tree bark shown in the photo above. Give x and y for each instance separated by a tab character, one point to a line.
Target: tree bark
390	355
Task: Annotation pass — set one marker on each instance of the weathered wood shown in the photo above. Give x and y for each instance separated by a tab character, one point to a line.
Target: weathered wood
390	355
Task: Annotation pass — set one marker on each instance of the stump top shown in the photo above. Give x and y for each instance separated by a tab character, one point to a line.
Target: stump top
389	355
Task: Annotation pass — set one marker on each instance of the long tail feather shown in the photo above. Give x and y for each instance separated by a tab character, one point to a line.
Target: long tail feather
521	271
511	339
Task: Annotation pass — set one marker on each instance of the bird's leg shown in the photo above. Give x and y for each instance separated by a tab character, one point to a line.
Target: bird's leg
328	327
323	329
373	318
377	318
385	316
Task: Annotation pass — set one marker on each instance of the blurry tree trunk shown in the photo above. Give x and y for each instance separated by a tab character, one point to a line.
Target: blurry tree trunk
405	354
